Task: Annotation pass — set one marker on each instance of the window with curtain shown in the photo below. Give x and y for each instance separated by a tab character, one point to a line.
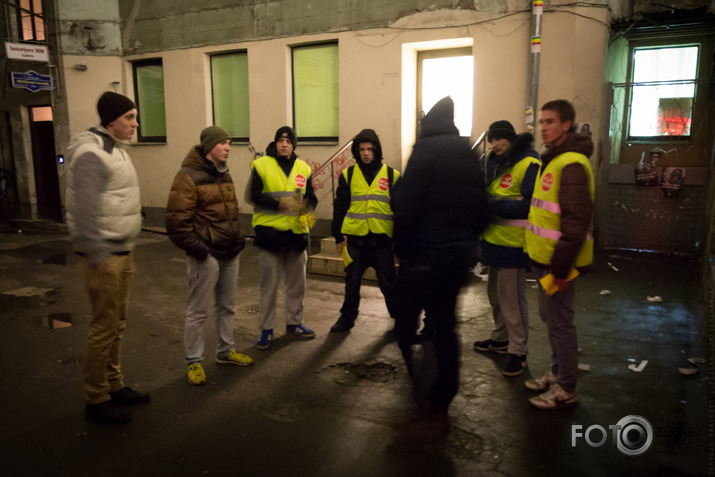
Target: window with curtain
663	91
229	83
315	92
149	94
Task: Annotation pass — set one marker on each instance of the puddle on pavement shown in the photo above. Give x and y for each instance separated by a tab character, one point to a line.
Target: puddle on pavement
358	374
56	321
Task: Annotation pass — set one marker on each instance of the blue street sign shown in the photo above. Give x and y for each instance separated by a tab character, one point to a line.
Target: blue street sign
31	81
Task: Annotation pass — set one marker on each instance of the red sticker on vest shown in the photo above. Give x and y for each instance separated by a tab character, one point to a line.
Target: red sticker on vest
300	181
547	182
506	181
383	184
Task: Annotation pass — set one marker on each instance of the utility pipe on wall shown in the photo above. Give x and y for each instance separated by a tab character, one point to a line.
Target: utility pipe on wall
537	13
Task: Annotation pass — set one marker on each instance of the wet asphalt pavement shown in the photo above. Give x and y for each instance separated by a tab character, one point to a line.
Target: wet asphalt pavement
327	407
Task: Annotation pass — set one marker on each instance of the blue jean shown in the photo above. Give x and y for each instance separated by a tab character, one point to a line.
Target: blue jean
207	276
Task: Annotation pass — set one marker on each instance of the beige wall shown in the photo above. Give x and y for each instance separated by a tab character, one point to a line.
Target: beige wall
372	82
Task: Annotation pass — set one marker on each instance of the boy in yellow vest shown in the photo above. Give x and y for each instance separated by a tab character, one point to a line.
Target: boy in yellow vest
509	171
559	239
362	222
281	190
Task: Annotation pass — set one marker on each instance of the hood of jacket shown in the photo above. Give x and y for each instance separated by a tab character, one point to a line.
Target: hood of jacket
367	135
439	121
195	160
572	143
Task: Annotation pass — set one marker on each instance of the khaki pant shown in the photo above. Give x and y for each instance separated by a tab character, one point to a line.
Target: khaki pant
108	290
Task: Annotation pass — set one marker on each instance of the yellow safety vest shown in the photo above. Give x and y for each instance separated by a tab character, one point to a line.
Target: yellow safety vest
544	228
509	232
278	186
369	204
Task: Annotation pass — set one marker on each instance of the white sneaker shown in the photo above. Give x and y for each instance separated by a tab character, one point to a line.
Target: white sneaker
554	398
541	384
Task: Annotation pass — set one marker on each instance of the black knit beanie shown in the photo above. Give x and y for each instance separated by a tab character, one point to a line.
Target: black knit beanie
501	130
287	131
211	136
112	105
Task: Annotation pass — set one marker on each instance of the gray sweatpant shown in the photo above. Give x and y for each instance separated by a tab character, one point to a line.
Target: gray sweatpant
506	289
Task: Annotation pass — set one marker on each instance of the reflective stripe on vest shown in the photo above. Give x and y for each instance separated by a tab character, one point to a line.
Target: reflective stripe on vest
278	186
370	209
509	232
544	228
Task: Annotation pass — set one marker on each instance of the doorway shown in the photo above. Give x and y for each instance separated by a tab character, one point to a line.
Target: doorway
446	72
45	163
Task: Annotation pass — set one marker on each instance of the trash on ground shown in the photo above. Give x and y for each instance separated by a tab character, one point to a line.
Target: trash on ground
613	267
584	367
688	371
604	292
640	367
655	299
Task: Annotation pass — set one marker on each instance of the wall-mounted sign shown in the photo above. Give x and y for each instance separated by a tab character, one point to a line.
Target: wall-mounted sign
26	51
31	81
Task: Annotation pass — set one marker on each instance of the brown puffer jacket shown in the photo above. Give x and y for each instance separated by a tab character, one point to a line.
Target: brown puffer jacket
202	213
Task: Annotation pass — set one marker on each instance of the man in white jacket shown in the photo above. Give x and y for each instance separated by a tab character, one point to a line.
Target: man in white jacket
104	220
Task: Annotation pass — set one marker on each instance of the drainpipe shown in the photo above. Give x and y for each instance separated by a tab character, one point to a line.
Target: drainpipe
537	13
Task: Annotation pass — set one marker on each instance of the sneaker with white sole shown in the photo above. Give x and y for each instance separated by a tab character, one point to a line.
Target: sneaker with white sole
196	374
541	384
300	332
515	366
264	342
234	357
500	347
554	398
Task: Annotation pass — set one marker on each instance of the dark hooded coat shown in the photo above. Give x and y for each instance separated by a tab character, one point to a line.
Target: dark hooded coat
440	204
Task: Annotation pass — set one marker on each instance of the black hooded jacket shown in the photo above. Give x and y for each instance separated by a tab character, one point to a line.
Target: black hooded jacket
343	196
440	205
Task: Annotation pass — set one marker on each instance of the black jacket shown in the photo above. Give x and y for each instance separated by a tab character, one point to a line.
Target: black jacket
440	204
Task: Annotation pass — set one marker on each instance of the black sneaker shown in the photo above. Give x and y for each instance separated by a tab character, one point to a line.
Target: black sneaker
107	412
515	366
343	324
500	347
128	396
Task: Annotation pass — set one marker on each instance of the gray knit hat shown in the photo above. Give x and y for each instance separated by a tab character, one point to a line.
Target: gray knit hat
113	105
211	136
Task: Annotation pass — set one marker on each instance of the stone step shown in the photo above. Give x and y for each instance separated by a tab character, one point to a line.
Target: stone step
332	265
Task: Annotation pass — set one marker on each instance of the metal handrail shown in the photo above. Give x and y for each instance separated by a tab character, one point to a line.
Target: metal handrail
331	163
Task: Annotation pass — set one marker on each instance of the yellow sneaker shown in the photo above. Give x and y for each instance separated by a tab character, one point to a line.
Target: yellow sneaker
197	377
234	357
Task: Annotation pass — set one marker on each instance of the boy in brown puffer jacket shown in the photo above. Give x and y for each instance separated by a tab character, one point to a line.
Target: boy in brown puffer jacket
202	219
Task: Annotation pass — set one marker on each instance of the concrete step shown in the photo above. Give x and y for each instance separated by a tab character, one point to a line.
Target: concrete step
329	262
